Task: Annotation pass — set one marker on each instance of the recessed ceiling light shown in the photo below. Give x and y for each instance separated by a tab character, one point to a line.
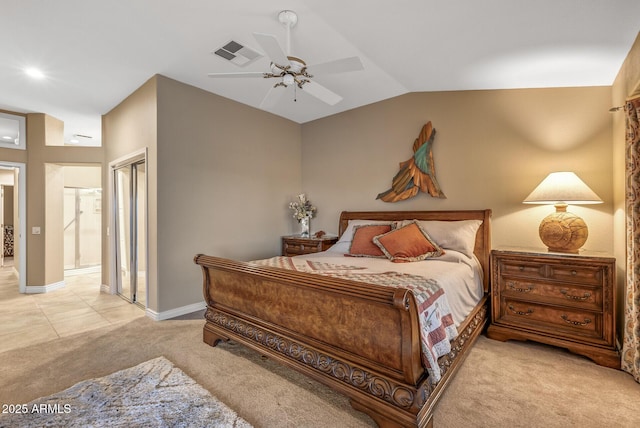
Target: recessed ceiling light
6	137
35	73
74	141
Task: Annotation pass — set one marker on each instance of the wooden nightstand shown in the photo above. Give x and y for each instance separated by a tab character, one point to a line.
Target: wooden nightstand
565	300
295	245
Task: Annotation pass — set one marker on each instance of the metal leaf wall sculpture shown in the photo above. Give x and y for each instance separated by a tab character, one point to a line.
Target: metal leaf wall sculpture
417	173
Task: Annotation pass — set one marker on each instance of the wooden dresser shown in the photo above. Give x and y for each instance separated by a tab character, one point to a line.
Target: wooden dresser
565	300
295	245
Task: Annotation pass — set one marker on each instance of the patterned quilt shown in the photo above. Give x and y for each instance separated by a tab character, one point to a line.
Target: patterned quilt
437	327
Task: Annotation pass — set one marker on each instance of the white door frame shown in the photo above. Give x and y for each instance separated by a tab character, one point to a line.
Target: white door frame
21	232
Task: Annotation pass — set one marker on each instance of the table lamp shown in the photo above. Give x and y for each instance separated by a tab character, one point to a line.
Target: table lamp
563	231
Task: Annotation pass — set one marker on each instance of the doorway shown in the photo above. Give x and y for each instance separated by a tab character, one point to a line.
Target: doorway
13	230
129	180
82	218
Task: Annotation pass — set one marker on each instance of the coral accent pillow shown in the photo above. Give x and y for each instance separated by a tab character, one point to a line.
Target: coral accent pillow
347	235
362	244
408	244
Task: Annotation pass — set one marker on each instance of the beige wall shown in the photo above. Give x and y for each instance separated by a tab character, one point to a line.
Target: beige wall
6	177
491	149
86	176
54	131
226	174
7	204
52	228
130	127
626	84
220	175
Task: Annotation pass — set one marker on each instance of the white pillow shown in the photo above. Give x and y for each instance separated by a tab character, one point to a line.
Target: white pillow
457	235
347	236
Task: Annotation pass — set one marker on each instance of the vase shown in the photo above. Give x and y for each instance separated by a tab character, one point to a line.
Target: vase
304	226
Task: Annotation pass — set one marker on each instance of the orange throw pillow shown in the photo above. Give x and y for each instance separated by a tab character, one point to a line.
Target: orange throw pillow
408	244
362	244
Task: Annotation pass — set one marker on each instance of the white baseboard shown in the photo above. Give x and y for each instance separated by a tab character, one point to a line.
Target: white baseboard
172	313
36	289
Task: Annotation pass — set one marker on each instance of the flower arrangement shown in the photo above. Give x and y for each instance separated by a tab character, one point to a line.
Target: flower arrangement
302	208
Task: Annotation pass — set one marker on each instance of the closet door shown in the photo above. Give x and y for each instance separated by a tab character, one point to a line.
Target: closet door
130	227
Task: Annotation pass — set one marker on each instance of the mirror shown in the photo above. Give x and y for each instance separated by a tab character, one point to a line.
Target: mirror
13	133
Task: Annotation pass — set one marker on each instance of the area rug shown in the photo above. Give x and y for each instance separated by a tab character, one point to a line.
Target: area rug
152	394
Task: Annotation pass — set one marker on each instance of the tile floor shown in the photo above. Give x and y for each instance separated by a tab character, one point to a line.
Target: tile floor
27	319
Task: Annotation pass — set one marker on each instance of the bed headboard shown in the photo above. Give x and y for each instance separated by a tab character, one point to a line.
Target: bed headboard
482	249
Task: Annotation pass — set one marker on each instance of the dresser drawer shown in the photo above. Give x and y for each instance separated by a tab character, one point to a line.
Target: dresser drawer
554	293
560	299
558	321
577	274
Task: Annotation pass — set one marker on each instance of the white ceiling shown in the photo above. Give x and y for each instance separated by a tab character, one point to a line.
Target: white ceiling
96	52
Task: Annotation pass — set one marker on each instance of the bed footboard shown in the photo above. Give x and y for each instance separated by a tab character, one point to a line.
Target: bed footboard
362	340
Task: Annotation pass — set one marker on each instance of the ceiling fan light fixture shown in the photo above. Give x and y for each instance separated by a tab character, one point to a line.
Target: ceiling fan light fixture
288	79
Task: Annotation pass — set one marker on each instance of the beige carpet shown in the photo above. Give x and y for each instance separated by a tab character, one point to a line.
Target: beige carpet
501	384
152	394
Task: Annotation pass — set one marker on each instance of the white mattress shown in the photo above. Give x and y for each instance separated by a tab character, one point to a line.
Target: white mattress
459	275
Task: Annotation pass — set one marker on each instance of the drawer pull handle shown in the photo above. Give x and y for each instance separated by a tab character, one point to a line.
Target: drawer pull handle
574	272
512	286
529	311
585	296
521	268
578	323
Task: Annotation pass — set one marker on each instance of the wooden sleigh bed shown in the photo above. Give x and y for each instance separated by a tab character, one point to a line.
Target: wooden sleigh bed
372	354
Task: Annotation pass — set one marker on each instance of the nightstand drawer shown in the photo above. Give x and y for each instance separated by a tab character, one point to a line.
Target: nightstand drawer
559	321
579	274
297	247
554	293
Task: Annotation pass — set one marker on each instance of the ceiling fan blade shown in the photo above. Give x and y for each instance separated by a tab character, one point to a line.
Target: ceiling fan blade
337	66
322	93
273	96
272	48
238	74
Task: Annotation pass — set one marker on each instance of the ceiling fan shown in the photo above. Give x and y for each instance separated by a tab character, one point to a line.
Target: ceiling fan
292	71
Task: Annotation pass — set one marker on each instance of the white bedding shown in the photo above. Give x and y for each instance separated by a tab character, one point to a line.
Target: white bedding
460	276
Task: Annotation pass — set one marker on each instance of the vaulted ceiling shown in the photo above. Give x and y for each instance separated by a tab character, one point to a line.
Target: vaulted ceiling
92	54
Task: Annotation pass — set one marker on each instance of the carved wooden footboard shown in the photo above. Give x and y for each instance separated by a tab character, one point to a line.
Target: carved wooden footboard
362	340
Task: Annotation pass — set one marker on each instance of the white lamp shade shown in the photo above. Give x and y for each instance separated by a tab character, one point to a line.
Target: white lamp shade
562	187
